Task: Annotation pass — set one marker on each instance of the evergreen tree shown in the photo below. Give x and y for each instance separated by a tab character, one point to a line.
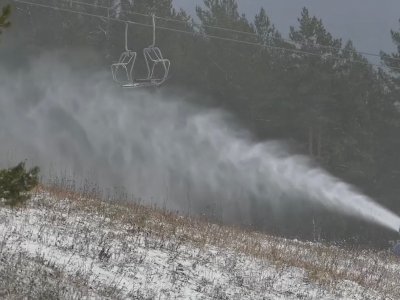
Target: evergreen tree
312	86
390	129
393	59
312	33
16	182
227	64
267	33
223	13
4	17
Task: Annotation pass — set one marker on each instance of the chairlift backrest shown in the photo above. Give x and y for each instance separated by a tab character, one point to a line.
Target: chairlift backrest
154	53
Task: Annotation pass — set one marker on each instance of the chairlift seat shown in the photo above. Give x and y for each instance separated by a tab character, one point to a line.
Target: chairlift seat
153	58
154	54
141	83
126	62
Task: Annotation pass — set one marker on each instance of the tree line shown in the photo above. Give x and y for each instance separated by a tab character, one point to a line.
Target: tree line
329	102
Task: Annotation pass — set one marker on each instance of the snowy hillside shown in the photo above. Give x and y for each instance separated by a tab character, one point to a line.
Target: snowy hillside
65	246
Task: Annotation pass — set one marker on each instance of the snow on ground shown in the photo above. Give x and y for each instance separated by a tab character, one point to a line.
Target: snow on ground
59	247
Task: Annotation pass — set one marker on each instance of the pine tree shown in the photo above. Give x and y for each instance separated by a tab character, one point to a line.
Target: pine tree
228	68
4	17
393	59
16	182
312	76
268	34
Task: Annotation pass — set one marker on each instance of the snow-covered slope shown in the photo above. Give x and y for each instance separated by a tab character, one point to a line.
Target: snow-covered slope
65	246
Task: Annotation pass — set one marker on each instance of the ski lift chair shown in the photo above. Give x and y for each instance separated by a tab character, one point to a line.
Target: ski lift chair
153	58
127	58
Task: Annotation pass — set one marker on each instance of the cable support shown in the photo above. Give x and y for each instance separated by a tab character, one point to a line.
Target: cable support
237	31
234	31
297	51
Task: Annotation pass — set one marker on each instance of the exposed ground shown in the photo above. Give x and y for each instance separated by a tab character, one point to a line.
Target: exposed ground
62	245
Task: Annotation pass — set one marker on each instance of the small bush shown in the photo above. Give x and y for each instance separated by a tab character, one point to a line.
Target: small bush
4	16
16	182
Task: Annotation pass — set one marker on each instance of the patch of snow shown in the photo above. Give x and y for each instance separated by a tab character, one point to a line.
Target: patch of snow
116	262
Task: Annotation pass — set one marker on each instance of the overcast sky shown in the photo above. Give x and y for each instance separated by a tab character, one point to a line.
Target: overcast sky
366	22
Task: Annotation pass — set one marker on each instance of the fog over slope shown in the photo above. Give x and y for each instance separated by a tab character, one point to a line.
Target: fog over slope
159	148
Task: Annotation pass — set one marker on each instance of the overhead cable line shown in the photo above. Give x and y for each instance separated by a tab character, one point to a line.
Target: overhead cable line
110	8
133	13
293	50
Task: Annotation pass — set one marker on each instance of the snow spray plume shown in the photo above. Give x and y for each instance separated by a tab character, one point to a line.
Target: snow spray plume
158	148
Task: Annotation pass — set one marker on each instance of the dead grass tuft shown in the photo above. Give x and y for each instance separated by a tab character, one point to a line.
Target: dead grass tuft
324	265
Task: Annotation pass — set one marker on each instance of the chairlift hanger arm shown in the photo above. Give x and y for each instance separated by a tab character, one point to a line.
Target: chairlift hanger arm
154	30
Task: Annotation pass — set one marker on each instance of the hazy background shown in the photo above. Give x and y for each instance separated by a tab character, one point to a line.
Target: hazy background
366	22
238	134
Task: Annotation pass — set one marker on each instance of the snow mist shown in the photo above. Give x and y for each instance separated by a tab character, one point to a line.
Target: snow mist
157	147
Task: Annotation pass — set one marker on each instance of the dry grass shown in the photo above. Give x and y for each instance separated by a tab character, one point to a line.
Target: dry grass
326	265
